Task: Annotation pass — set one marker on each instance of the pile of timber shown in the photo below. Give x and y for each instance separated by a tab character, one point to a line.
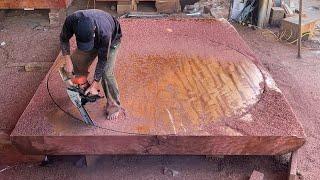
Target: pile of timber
123	6
162	6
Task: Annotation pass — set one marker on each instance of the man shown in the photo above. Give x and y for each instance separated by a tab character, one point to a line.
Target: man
97	34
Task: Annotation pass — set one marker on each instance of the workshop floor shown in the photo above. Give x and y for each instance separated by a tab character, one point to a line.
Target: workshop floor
28	38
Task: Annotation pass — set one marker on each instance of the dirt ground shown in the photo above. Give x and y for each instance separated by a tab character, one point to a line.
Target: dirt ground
28	38
299	81
25	37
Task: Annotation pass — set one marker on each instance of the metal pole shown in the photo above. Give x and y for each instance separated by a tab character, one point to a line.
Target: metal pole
300	29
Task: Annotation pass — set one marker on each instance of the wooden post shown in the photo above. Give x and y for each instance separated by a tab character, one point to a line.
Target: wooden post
264	12
230	9
294	165
300	29
134	5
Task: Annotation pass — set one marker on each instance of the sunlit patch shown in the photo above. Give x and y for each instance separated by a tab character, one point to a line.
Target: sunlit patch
169	30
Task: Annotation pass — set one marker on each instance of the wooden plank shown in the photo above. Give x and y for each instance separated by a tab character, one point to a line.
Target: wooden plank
124	7
31	66
168	6
36	4
123	0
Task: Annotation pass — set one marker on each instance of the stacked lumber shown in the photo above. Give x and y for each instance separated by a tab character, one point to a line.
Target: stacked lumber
163	6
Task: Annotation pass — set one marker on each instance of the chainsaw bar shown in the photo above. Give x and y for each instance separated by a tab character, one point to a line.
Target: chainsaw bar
76	97
76	100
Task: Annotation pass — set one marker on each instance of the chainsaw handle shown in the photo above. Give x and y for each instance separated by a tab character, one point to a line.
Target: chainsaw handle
85	99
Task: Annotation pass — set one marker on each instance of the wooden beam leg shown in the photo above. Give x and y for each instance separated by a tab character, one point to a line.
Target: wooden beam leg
300	29
134	5
91	160
294	165
80	162
124	7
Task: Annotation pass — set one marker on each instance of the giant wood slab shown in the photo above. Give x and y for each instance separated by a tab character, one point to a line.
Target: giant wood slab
36	4
188	86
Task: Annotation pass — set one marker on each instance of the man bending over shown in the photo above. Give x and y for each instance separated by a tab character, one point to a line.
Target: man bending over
97	34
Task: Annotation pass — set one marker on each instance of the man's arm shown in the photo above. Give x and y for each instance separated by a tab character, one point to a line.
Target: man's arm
103	53
65	35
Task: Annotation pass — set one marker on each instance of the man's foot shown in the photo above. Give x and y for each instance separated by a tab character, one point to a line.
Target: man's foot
113	112
113	116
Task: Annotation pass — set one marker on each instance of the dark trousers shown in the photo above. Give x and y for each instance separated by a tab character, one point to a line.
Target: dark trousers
82	60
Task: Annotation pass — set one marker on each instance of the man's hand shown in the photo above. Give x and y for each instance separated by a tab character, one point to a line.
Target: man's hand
68	67
93	89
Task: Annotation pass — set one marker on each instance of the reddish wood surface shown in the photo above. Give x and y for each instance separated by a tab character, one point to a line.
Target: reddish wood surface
184	94
36	4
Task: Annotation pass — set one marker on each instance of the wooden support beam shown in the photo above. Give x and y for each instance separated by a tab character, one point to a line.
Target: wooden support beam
134	5
168	6
300	29
91	160
124	7
294	165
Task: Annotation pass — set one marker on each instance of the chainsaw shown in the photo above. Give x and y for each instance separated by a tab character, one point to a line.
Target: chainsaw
76	92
